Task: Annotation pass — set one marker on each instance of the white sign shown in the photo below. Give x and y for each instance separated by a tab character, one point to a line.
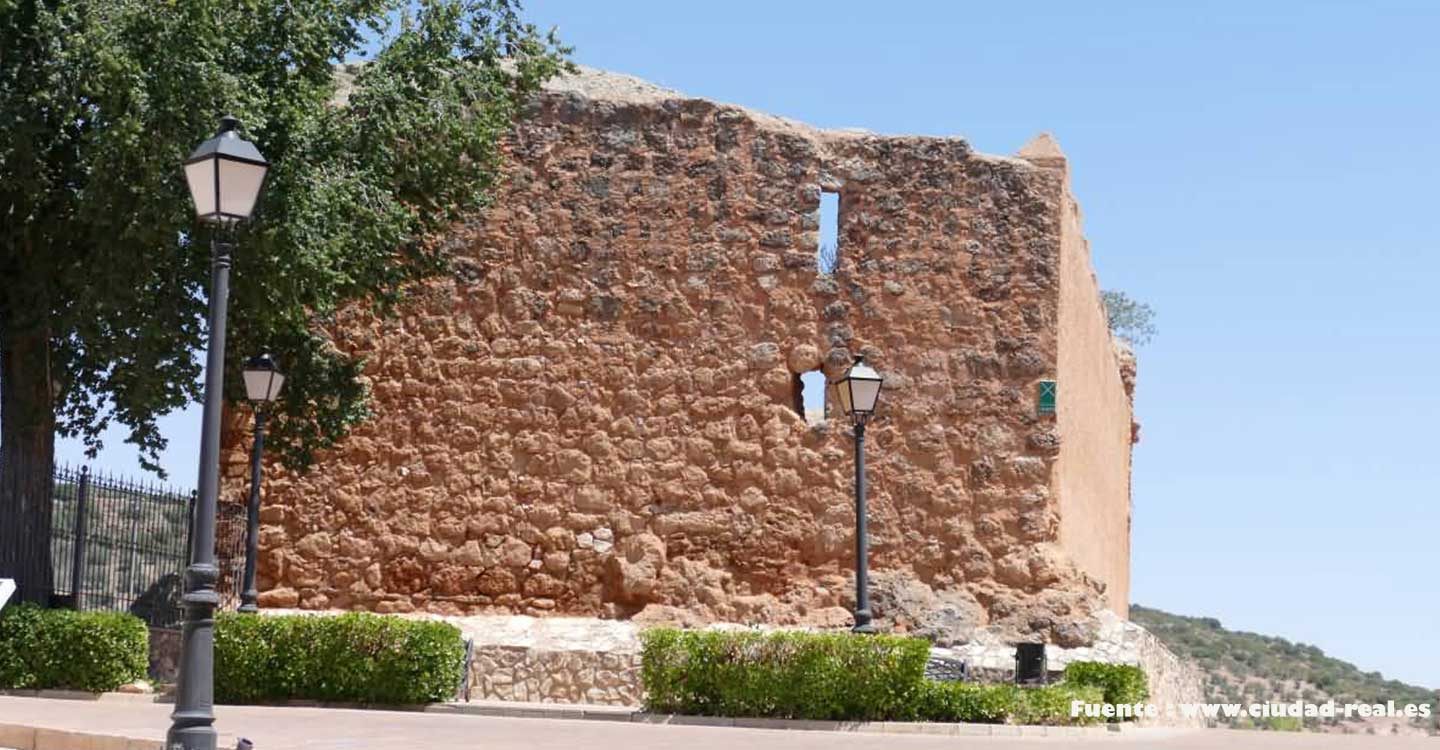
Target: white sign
7	587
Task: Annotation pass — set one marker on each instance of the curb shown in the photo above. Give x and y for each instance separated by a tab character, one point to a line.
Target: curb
575	712
515	710
30	738
23	737
81	695
874	727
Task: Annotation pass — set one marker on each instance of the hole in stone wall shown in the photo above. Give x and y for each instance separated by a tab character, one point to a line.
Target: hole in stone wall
827	254
810	396
1030	664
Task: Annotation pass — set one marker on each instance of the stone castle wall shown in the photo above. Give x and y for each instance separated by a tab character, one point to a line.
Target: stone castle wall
595	413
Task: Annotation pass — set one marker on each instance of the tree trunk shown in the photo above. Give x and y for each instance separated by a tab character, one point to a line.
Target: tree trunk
27	456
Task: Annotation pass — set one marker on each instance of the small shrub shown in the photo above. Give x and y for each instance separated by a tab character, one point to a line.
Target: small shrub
353	658
968	702
65	649
796	675
1122	683
1283	724
998	704
1051	704
840	676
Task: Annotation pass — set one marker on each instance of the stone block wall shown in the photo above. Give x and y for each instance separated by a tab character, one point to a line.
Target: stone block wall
579	660
528	675
592	661
594	414
554	660
1172	680
164	659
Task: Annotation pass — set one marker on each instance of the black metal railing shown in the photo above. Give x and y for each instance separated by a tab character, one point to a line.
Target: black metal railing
122	544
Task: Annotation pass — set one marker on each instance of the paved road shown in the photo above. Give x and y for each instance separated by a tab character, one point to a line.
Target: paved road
335	729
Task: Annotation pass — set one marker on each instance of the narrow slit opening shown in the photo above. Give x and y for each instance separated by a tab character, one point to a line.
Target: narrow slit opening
827	253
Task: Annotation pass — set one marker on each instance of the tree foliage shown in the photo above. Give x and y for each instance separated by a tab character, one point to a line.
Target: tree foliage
102	261
1247	667
1130	320
828	258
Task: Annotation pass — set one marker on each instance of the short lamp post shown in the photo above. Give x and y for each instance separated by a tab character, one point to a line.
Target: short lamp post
262	387
225	175
857	391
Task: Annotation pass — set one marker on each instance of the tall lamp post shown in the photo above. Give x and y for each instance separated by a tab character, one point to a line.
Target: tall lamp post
858	390
262	386
225	175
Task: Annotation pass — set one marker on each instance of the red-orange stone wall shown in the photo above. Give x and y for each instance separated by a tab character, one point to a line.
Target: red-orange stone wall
1092	475
593	414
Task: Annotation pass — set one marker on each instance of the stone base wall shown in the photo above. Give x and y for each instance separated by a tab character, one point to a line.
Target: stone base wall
1172	680
593	661
537	676
583	660
553	659
164	654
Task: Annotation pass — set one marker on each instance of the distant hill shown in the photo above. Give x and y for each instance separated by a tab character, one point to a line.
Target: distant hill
1249	668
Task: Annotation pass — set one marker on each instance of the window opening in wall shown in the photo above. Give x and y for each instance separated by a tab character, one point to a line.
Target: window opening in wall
827	255
810	396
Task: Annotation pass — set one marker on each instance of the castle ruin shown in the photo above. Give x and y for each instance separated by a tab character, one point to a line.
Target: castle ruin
597	412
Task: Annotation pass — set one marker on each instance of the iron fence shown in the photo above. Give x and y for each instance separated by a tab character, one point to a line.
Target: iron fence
122	544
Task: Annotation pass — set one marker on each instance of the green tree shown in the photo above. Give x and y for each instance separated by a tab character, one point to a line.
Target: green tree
104	268
827	258
1130	320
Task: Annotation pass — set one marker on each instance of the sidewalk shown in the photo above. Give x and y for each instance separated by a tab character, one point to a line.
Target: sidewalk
350	729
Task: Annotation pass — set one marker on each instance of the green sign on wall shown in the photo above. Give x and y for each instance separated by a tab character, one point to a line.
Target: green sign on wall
1047	397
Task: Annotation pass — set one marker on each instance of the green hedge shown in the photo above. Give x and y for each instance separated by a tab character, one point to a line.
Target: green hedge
840	676
65	649
1122	684
1051	704
784	675
999	704
352	658
967	702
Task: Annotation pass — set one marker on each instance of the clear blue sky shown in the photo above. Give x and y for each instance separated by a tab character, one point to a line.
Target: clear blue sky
1264	174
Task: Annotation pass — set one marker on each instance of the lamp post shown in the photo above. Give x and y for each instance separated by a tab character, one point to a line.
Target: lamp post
262	386
857	391
225	175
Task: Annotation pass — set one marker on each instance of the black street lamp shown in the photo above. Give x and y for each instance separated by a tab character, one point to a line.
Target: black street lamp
857	391
225	175
262	386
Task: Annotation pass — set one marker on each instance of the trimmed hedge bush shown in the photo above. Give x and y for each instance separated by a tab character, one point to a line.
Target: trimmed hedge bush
967	702
1122	683
69	650
352	658
999	704
1051	704
835	676
784	675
